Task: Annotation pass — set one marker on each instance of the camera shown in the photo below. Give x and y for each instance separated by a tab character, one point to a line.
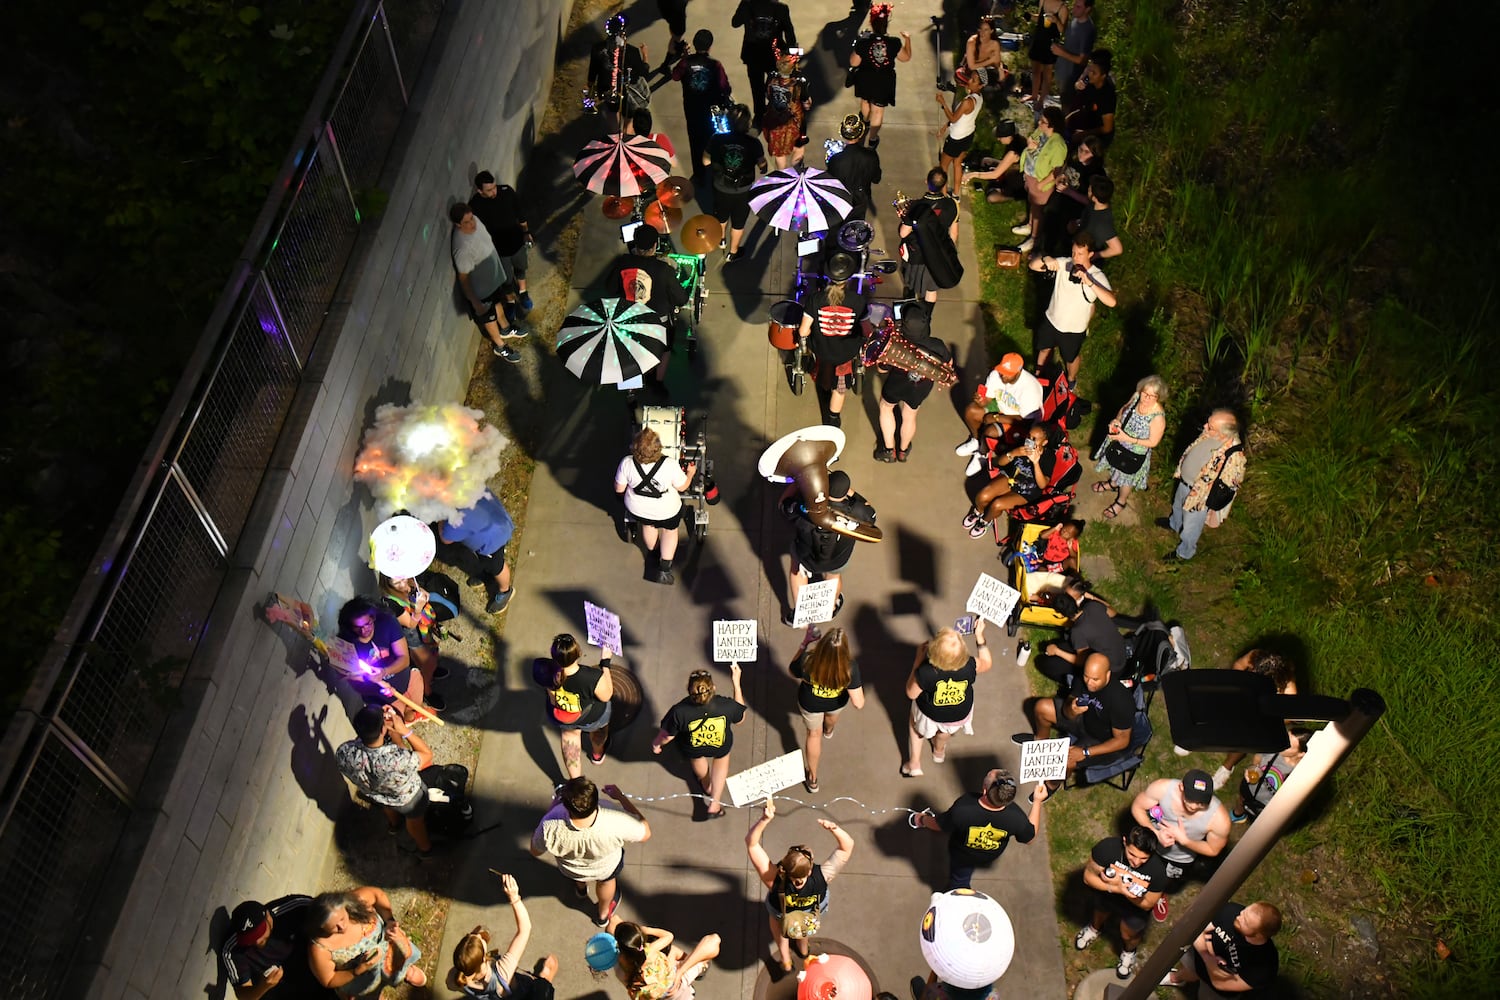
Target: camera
949	86
1075	273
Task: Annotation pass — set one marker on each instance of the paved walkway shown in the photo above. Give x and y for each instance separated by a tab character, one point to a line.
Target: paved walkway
695	879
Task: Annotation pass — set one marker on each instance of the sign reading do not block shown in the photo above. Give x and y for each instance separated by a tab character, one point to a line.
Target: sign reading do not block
735	641
756	783
992	598
1044	760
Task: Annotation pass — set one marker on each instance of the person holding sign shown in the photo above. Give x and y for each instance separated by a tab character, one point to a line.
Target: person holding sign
819	552
577	701
798	895
830	680
1096	714
702	723
941	689
651	485
1126	877
980	825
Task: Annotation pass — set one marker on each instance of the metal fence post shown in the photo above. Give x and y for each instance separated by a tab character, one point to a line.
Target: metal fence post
333	147
391	42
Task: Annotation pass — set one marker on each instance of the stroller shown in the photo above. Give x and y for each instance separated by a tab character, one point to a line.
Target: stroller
1036	584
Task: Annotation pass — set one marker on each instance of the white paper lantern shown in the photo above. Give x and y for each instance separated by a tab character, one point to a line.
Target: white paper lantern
402	546
967	938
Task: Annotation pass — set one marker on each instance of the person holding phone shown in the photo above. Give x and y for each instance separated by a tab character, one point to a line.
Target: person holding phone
265	955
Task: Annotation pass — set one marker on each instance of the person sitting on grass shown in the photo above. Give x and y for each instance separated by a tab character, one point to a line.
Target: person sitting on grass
1095	714
483	974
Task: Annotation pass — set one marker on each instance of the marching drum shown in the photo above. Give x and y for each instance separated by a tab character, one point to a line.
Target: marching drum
667	422
786	320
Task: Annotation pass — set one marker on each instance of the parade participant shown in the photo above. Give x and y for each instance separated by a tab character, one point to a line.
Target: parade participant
615	64
768	30
818	551
483	974
641	276
651	485
588	840
641	123
265	955
1008	395
958	134
702	724
856	165
1125	877
943	213
907	390
787	105
481	275
498	207
1077	283
705	86
357	947
980	825
651	967
674	13
734	157
872	65
385	762
830	680
941	689
380	646
484	529
798	887
832	331
578	701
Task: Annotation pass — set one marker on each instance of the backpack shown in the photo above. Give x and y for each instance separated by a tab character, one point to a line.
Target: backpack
1154	650
648	486
449	811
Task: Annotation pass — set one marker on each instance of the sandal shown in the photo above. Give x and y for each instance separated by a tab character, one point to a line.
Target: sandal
1104	486
910	774
1113	510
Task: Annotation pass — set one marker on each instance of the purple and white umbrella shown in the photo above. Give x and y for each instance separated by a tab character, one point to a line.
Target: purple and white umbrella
624	166
610	341
801	195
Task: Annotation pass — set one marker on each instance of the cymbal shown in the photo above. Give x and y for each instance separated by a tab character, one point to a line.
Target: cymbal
701	234
674	191
661	219
618	208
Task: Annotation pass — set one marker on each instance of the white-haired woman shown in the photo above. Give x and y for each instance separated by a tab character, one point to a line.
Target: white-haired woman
1135	431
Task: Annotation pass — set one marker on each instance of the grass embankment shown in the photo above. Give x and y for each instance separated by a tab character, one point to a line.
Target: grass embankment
1285	195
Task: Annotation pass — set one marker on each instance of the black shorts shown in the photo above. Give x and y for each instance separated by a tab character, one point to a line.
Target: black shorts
1132	918
956	148
416	808
732	207
666	524
900	388
1067	344
492	564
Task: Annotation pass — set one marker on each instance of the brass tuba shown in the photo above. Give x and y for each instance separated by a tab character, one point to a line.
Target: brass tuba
887	348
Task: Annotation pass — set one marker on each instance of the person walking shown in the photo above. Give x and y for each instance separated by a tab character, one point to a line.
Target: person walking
484	529
705	86
734	158
797	887
830	680
856	166
1135	432
980	825
588	840
1209	475
905	391
702	724
941	689
872	64
768	31
578	701
651	485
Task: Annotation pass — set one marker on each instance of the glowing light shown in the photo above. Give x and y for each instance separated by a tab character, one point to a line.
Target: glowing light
429	460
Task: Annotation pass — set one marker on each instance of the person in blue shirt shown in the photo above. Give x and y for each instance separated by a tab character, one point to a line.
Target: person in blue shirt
485	530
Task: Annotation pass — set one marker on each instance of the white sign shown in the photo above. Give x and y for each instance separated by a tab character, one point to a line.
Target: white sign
1044	760
345	659
604	628
992	598
757	783
815	604
734	641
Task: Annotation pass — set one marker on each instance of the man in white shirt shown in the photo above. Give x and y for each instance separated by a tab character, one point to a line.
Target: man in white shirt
589	841
1076	285
1009	394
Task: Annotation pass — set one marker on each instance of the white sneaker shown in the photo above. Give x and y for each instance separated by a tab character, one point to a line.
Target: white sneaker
1221	777
968	447
1126	965
1024	229
1086	937
1026	246
1180	751
974	466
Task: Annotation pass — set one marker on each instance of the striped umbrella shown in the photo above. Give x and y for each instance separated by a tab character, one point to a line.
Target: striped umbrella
801	194
622	165
611	341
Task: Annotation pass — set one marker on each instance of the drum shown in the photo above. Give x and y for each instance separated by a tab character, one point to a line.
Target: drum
667	422
786	320
855	235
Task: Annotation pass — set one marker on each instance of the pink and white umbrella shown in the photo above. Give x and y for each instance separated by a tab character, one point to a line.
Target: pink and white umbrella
801	194
621	165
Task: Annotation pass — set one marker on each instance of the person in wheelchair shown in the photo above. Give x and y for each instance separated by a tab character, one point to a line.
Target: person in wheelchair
1022	475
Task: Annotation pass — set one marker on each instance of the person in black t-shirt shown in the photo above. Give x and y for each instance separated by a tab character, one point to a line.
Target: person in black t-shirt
380	643
1096	714
797	886
498	207
981	825
941	689
1092	629
1098	220
704	85
641	276
701	724
1234	957
265	954
872	64
944	210
734	157
768	30
614	64
830	680
818	551
578	701
1127	877
832	328
907	390
1095	102
856	166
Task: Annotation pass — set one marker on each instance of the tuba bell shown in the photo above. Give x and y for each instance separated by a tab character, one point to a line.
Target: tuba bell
887	348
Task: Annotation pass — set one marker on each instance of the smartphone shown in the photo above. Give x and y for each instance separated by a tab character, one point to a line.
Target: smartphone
795	52
964	625
627	231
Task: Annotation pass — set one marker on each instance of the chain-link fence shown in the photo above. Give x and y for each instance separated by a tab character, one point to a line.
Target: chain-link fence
77	751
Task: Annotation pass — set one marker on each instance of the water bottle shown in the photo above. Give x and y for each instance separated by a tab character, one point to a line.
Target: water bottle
1023	652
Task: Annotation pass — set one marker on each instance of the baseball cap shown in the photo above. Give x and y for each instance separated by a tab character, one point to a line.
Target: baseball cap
1011	365
1197	787
248	922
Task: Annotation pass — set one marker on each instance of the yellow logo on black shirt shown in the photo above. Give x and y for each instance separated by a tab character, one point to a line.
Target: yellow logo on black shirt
567	701
824	692
707	732
986	838
950	693
793	901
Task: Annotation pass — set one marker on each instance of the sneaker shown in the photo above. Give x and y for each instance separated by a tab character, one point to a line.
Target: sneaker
972	518
1235	816
1024	229
968	447
902	455
1021	738
1221	777
838	606
525	302
883	454
1161	910
516	332
436	702
1126	965
1086	937
440	674
975	464
978	528
1027	245
730	258
724	243
1180	751
786	618
506	353
500	601
1172	557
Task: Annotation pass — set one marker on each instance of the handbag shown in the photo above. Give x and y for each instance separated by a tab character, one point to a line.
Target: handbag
1007	257
1121	458
800	923
1221	494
